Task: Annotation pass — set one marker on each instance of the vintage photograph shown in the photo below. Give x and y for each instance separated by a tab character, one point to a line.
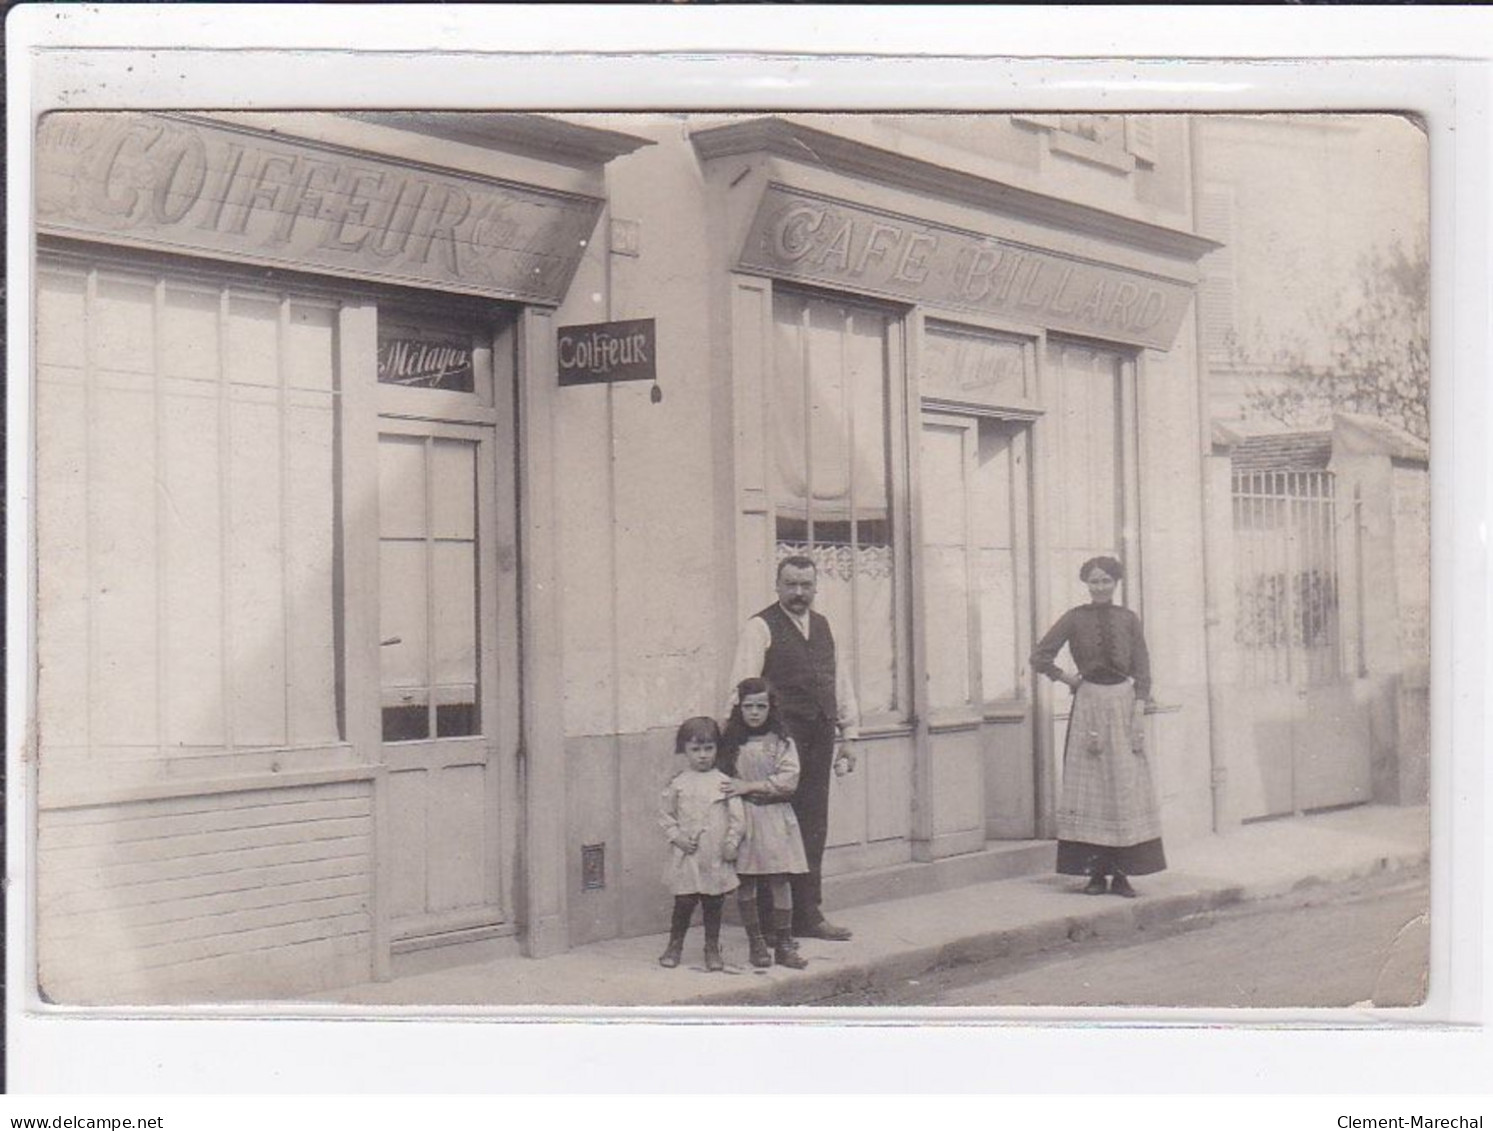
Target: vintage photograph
695	560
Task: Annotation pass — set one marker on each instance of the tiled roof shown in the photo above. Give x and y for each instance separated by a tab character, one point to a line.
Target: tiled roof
1376	434
1283	451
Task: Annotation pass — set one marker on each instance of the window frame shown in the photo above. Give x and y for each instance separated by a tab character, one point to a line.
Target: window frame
1132	147
1128	499
1024	417
163	764
895	430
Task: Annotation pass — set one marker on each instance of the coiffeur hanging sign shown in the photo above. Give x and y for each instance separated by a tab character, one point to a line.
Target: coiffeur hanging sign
817	239
603	352
184	184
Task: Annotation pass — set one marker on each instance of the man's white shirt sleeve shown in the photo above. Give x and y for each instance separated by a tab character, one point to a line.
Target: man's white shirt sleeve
751	653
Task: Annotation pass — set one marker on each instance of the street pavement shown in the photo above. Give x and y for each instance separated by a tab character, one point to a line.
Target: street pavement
1357	943
899	940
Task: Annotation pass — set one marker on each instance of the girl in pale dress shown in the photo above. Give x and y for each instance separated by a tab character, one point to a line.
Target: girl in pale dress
704	824
763	765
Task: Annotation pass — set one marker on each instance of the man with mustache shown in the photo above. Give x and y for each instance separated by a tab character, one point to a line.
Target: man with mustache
792	647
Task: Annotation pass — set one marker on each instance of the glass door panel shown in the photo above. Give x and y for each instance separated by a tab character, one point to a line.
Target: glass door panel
999	492
438	629
945	469
429	587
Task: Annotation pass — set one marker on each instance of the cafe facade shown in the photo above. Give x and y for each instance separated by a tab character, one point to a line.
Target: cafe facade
404	479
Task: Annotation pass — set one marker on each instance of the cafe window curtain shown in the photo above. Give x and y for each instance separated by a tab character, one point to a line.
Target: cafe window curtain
831	476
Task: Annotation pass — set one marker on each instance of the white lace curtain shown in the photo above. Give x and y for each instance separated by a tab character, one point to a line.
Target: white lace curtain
830	477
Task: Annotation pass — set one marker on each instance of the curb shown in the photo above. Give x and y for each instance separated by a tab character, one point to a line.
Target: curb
895	969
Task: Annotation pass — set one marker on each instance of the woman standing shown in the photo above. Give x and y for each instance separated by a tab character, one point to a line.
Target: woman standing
1109	824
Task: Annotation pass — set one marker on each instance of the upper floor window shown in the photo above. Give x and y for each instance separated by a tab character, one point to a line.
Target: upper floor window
1119	141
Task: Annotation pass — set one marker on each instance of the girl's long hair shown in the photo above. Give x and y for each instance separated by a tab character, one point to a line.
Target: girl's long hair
737	732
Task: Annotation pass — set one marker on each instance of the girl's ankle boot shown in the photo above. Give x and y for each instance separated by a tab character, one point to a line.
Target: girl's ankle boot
673	952
758	952
757	949
786	952
713	907
785	946
684	911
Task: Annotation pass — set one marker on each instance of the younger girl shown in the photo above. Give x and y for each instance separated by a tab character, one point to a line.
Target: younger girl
704	825
763	764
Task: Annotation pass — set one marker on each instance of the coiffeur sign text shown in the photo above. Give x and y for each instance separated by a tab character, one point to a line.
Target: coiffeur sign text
802	236
607	351
184	184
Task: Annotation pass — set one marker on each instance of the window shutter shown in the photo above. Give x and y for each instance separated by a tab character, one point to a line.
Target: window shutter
1040	121
1215	219
1140	137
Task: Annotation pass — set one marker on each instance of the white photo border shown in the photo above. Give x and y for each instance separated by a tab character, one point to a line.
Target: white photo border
628	58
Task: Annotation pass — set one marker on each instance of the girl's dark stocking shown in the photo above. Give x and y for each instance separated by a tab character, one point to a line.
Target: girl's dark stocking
713	905
758	952
785	948
684	911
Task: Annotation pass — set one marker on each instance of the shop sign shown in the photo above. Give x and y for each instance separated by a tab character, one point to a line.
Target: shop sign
975	367
426	362
798	235
607	351
182	184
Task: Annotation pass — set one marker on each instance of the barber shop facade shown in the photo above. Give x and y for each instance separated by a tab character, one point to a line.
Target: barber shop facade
403	480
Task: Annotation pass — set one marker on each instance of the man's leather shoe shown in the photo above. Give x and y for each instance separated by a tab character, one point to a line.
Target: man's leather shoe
824	929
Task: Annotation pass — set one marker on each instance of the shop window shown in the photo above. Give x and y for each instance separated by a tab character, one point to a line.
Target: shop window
1094	493
832	478
187	516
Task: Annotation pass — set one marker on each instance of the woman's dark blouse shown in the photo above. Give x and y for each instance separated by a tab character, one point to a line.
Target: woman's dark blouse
1105	642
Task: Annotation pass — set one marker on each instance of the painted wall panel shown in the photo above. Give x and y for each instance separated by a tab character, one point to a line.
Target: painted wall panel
408	870
958	782
886	768
149	900
459	847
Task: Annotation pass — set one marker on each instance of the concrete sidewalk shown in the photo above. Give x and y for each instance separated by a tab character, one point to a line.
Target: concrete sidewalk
904	938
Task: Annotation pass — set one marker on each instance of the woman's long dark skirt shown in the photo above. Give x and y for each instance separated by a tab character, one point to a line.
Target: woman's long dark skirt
1078	858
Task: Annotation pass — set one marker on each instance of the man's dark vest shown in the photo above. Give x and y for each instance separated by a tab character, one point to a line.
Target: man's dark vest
802	672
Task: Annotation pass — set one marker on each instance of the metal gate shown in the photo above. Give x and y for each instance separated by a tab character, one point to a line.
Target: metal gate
1310	741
